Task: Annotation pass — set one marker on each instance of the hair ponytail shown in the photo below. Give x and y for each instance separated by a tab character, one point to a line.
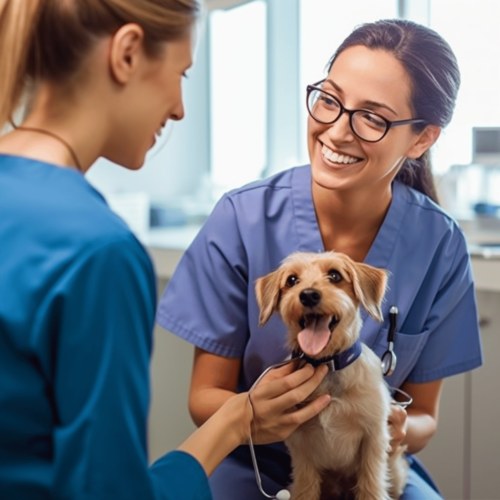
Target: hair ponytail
47	40
18	19
418	175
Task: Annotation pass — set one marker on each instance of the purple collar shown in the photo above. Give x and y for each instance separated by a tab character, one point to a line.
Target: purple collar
337	361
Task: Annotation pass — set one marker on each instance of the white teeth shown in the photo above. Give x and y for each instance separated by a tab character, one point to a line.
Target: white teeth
336	158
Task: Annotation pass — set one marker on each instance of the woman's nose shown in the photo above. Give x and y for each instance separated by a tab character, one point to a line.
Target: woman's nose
340	131
178	112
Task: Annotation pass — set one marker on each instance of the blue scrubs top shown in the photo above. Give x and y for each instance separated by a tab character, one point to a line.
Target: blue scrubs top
77	304
211	301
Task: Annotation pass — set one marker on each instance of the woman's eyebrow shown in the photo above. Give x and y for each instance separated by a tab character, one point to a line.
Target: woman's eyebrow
379	105
374	104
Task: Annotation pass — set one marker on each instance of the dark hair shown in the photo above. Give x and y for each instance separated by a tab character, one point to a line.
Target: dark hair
49	39
435	79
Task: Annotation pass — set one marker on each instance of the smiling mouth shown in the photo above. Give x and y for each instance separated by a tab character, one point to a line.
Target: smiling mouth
337	158
160	130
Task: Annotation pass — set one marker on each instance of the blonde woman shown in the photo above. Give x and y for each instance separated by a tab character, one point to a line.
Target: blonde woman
77	289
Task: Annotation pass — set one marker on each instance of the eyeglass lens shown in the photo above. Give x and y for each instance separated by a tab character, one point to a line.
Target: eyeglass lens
326	109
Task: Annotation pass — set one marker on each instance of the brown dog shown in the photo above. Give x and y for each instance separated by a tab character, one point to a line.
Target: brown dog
345	449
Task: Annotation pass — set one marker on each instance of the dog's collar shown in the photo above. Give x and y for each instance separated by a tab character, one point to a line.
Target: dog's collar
336	361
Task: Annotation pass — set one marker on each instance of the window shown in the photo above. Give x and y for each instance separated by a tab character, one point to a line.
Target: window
245	96
475	39
238	89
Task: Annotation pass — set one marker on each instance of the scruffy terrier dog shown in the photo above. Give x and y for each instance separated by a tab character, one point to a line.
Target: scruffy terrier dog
344	451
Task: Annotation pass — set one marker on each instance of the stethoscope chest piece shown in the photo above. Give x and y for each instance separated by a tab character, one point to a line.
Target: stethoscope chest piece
389	361
389	357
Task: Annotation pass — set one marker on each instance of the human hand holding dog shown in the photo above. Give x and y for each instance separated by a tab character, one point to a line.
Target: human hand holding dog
274	401
270	414
398	425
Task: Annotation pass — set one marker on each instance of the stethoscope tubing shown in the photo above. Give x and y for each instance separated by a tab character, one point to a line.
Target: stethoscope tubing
250	441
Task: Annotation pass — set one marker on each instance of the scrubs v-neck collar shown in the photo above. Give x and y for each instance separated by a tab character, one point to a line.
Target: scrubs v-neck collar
307	228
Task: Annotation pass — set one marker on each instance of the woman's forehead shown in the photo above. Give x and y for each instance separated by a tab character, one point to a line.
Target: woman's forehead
364	74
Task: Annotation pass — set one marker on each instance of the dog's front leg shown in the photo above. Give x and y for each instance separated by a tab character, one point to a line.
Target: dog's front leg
306	481
373	481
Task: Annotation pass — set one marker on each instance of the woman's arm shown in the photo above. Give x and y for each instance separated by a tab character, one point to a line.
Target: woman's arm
213	381
416	426
228	418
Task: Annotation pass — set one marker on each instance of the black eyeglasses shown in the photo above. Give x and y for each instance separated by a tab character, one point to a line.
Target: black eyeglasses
368	126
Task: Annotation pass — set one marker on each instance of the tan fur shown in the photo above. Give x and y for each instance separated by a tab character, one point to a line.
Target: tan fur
345	448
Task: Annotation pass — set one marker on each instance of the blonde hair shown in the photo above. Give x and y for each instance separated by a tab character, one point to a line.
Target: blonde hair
46	40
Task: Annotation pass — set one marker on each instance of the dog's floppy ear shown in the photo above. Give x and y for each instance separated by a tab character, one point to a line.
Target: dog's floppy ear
268	292
369	285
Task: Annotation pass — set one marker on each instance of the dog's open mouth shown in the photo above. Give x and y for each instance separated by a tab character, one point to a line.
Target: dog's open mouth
316	332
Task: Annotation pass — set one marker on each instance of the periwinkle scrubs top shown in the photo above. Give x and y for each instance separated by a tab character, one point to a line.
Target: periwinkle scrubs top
77	304
211	301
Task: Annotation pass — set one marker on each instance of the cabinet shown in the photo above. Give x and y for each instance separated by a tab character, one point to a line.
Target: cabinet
485	406
463	457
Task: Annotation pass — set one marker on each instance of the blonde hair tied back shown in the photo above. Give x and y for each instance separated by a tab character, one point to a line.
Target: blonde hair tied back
48	39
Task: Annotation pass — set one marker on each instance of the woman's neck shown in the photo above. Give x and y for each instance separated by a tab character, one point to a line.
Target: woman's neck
70	120
349	220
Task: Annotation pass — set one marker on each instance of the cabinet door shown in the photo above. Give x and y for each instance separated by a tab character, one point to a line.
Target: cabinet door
444	455
169	420
485	431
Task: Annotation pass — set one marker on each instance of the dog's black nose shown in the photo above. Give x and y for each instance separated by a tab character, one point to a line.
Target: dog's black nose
310	297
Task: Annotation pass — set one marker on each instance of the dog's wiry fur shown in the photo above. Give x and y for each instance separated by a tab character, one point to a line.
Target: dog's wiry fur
344	450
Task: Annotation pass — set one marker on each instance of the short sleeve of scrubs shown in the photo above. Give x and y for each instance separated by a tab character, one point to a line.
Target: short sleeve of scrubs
212	282
452	344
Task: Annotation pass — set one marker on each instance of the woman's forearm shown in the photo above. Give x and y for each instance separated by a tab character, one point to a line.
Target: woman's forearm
221	433
419	431
205	402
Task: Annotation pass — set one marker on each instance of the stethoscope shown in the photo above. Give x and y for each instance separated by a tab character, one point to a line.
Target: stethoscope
388	366
389	357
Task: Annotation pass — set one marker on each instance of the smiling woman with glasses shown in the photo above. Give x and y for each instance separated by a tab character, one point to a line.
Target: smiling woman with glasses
369	193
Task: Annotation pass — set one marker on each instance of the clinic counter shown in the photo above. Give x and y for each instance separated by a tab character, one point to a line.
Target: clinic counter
166	246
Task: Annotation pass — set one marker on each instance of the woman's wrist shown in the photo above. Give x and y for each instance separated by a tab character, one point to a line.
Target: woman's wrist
221	434
237	415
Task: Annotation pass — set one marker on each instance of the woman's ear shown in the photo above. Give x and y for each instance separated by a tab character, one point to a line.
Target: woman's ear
425	140
268	293
125	52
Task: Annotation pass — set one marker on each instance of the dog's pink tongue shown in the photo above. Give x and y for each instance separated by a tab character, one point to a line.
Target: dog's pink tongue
314	337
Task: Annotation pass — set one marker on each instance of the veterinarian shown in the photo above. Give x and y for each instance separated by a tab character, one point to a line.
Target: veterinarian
77	289
368	192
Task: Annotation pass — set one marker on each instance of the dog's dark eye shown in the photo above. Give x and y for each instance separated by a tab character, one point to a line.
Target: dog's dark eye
292	280
334	276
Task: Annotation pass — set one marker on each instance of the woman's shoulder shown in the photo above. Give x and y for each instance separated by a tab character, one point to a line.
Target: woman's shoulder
426	215
57	208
